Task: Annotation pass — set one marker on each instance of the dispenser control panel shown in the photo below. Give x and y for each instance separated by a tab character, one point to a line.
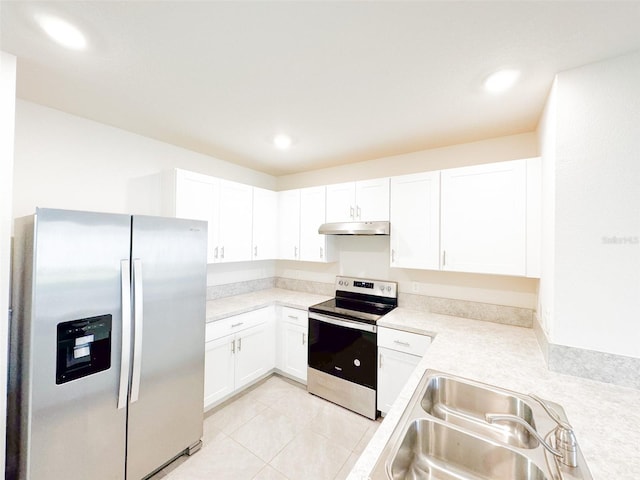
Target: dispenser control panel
83	347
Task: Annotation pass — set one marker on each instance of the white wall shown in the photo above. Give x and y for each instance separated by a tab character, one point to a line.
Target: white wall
64	161
369	256
7	111
596	254
547	137
511	147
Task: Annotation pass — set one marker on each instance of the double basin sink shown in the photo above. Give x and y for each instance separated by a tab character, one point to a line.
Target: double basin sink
460	429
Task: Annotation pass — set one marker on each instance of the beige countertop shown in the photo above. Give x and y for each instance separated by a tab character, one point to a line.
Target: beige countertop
237	304
606	417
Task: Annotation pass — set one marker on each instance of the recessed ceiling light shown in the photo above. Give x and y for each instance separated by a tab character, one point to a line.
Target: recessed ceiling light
501	80
62	32
283	142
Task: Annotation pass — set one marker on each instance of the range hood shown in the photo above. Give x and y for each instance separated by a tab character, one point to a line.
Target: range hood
355	228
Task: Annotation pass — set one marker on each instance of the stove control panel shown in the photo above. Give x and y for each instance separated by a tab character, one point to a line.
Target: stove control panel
379	288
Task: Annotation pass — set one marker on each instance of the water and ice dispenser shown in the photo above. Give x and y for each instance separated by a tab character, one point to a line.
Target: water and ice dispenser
83	347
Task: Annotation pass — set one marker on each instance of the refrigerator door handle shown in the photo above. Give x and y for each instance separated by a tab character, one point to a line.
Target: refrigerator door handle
137	329
125	295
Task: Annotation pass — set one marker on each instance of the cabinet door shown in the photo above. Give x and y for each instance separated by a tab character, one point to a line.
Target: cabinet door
483	222
313	246
415	217
196	197
341	202
265	224
289	224
218	369
236	210
254	354
394	369
294	350
372	200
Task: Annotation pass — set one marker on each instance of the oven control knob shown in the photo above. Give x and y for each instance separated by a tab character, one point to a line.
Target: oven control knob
382	288
389	288
356	362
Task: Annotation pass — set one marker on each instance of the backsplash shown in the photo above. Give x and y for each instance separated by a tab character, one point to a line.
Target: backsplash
227	290
522	317
603	367
488	312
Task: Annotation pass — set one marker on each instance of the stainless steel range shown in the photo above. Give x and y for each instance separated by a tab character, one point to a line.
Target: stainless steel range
343	343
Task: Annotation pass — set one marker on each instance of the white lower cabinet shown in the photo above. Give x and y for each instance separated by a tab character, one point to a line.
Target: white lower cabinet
398	354
293	336
219	367
238	350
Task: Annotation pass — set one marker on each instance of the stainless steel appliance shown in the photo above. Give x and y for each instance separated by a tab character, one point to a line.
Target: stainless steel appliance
343	343
107	345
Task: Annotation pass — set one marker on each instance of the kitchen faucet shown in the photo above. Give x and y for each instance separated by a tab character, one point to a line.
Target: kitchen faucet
566	447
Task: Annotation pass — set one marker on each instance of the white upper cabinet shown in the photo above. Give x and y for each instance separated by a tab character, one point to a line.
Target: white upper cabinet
313	246
195	196
483	223
226	206
265	224
365	201
289	225
234	228
415	217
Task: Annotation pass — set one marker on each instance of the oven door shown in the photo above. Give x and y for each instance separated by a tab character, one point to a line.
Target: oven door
343	348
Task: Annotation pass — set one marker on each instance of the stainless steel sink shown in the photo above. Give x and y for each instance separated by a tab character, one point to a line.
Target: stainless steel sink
465	404
444	434
431	450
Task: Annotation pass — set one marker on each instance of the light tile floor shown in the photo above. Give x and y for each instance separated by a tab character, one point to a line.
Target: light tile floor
275	431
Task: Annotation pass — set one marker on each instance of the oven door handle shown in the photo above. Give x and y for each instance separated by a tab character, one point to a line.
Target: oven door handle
366	327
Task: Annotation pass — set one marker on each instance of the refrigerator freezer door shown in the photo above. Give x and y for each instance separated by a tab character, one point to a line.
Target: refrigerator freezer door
166	416
71	346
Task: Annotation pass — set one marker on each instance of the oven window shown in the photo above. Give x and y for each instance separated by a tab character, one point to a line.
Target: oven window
343	352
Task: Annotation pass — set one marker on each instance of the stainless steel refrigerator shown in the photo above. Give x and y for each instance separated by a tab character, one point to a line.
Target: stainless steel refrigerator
107	344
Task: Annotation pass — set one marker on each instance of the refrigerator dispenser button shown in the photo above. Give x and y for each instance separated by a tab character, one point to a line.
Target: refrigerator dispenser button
84	340
79	352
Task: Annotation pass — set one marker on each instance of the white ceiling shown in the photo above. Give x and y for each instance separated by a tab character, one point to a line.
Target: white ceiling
349	81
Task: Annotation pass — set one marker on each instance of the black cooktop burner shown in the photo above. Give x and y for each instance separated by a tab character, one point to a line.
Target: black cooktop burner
368	312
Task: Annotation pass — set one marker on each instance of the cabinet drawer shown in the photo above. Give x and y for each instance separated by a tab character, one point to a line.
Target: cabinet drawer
402	341
295	316
237	323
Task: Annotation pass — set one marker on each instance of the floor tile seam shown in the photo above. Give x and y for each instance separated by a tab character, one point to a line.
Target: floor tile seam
274	456
335	477
278	470
268	465
360	439
249	451
327	437
247	421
